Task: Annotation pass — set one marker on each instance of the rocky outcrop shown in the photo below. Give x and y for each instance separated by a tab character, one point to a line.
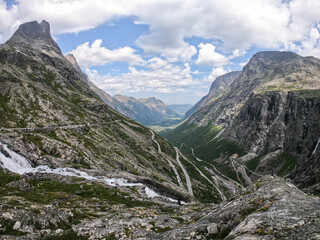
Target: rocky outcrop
271	209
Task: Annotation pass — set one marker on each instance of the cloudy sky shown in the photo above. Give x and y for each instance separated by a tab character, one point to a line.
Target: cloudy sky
170	49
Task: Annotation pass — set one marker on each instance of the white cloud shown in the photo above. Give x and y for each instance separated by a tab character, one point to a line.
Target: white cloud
216	72
236	24
208	55
159	76
97	55
310	46
169	45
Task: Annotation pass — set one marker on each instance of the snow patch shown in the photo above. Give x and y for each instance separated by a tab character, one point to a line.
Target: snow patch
150	193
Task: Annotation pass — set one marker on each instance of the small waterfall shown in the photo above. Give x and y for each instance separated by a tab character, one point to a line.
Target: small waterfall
315	149
16	163
13	161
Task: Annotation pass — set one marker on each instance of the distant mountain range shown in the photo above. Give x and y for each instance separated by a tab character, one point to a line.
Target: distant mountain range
148	111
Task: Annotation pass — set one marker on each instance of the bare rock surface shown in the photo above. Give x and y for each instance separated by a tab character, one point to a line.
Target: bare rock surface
271	209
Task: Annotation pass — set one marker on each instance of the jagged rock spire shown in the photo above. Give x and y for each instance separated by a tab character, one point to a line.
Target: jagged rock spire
35	34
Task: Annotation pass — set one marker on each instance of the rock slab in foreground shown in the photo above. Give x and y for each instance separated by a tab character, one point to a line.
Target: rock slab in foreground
271	209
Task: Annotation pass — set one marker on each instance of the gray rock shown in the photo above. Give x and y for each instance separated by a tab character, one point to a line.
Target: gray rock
213	228
17	225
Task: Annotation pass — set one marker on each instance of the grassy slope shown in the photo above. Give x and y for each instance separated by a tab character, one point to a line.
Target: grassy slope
206	148
201	138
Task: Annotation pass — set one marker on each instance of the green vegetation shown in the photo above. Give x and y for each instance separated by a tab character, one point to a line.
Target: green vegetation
201	139
289	163
207	148
7	228
67	235
162	130
203	190
253	163
46	191
37	140
6	177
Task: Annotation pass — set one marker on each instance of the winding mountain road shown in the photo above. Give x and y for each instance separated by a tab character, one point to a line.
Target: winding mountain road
170	163
244	166
222	196
186	175
69	126
198	159
215	176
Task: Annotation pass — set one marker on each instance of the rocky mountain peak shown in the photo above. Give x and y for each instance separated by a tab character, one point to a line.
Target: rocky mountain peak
74	62
274	55
34	34
271	58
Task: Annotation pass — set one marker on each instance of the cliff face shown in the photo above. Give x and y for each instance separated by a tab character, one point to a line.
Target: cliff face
278	121
266	71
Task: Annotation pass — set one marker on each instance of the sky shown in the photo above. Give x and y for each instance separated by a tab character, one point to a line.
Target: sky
169	49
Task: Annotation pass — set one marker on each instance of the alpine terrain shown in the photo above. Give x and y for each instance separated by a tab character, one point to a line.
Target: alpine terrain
266	122
72	167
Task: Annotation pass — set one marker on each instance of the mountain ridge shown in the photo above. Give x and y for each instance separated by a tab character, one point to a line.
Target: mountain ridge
219	85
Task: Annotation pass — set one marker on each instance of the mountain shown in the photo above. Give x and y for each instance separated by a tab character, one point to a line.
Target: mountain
181	109
268	120
71	167
50	114
148	111
219	85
